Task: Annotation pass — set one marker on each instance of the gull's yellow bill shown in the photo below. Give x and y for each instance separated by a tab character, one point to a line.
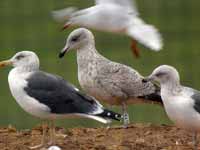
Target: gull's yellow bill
5	63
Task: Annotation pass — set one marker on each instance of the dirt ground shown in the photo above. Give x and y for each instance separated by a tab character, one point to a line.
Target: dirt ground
136	137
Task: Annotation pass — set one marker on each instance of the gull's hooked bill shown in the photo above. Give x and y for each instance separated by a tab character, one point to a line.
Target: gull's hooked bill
63	51
146	79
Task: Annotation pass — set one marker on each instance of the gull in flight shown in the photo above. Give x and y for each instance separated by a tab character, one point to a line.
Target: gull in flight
116	16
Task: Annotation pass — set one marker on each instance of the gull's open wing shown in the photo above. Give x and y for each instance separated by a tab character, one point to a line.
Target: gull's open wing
130	4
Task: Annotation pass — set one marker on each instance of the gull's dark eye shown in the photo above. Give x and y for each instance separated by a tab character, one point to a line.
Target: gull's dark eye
20	57
160	74
75	38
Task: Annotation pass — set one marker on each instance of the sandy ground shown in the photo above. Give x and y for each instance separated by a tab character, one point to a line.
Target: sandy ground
136	137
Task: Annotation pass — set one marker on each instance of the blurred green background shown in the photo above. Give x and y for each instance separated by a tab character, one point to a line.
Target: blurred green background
28	25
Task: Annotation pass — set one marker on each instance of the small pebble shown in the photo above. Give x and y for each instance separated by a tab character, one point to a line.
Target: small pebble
54	148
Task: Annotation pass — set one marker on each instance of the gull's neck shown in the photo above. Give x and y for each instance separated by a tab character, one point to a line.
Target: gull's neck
172	88
86	55
18	74
27	68
87	50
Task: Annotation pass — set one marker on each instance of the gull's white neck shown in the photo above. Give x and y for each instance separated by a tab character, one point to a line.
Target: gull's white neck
26	68
171	88
21	73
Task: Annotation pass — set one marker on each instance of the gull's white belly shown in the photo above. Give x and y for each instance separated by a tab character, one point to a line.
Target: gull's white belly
180	110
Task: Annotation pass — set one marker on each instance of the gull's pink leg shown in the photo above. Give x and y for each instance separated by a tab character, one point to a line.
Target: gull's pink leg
134	48
65	26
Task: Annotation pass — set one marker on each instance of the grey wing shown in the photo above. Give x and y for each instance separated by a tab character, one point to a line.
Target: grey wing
130	4
127	81
60	96
196	97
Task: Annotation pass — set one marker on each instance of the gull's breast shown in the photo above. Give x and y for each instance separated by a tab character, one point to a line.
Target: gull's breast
180	111
17	83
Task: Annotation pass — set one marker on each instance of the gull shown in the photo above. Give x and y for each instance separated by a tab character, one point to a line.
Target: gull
49	96
111	82
182	104
116	16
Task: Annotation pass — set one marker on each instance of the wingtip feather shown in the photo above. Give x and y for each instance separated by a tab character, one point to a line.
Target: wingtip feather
146	34
63	15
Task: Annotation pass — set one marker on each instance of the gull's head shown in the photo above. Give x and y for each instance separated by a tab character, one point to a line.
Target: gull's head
78	39
164	74
24	59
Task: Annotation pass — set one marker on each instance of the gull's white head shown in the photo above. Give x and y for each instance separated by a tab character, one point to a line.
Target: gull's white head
78	39
25	59
164	74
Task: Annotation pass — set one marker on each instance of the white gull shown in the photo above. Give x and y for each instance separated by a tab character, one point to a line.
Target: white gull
117	16
49	96
182	104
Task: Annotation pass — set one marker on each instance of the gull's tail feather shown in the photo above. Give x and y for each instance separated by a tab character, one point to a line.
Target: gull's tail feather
97	118
110	115
63	14
146	34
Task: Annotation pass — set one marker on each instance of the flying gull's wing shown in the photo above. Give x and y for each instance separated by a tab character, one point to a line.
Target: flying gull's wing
130	4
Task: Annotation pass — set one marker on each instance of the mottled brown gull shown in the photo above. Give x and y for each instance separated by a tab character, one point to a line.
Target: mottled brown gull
111	82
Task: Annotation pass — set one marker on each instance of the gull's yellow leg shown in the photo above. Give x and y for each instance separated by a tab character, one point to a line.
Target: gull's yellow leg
43	142
52	133
195	142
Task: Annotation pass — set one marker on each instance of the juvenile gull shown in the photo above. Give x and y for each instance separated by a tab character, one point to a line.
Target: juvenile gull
117	16
111	82
49	96
181	103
